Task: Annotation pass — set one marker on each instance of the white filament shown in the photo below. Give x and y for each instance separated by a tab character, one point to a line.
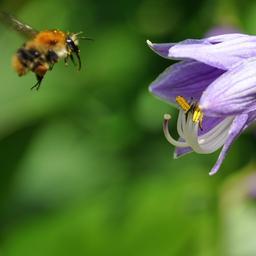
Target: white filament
188	132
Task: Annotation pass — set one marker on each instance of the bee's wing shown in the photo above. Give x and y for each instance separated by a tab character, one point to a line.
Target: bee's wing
23	29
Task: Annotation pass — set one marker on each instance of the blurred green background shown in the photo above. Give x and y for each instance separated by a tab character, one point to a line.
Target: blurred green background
85	168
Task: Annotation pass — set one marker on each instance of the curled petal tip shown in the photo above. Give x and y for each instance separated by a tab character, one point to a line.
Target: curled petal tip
212	173
150	44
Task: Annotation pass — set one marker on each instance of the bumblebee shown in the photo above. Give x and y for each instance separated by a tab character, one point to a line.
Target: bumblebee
42	49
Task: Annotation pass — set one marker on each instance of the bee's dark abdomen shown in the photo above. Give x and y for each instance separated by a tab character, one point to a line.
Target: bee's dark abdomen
24	55
28	57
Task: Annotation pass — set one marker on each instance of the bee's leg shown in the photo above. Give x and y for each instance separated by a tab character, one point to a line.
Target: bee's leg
78	58
51	66
51	59
72	59
40	70
38	84
66	61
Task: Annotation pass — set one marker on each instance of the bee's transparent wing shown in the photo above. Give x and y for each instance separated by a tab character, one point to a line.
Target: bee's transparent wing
23	29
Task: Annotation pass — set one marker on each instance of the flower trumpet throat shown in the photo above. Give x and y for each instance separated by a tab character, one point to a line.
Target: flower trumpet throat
197	113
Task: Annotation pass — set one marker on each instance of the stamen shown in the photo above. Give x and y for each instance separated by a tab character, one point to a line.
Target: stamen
215	138
179	125
183	103
197	113
168	136
192	135
189	119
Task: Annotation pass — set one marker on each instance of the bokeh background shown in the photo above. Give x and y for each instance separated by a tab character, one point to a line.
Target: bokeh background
84	166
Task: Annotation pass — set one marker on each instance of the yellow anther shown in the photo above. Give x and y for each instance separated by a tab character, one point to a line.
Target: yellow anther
183	103
201	120
198	116
197	113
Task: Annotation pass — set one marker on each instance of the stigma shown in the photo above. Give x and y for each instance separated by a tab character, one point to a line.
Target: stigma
190	120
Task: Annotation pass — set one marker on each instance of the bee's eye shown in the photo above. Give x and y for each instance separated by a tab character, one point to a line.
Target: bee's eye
71	44
69	41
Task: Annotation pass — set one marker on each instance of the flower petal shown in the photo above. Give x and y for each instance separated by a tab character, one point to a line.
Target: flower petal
186	78
160	49
222	51
163	48
251	118
232	93
238	125
209	123
224	37
179	152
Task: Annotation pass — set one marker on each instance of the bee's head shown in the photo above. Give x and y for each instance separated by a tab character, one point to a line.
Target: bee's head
72	46
72	42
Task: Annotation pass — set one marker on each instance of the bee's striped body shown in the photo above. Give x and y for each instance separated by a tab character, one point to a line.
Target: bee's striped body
42	49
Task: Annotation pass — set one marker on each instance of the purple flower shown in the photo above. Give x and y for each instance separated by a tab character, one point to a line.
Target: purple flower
220	30
214	85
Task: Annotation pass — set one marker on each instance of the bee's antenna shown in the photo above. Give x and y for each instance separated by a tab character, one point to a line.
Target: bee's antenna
85	38
78	33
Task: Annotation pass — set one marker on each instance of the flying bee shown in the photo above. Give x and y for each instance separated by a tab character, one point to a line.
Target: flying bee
42	49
